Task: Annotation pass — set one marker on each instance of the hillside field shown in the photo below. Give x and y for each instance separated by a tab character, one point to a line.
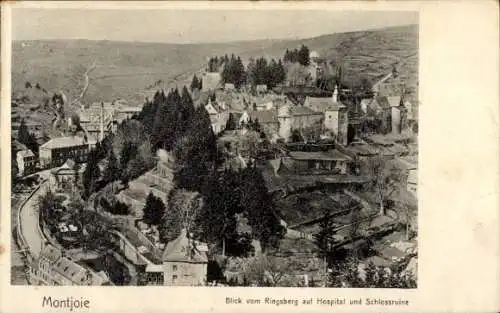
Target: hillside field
126	69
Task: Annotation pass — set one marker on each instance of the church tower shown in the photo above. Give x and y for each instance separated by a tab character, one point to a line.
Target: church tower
285	122
336	118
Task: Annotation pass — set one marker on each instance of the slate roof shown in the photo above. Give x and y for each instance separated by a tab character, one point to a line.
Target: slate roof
180	250
69	165
394	101
322	104
25	153
302	110
51	253
63	142
63	266
404	164
129	109
330	155
363	149
264	116
390	252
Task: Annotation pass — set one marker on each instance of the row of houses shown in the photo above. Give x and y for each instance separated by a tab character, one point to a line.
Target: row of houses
54	153
279	118
53	268
98	119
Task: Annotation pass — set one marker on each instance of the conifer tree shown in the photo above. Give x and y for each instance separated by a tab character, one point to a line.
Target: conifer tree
112	171
195	152
231	122
14	171
194	83
153	210
303	56
186	112
280	73
323	238
91	175
23	134
255	199
217	221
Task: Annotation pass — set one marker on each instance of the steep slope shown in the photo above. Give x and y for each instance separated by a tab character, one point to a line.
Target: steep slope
133	71
368	54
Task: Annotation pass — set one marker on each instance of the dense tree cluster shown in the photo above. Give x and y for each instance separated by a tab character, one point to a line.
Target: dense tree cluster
297	55
215	63
190	138
348	274
195	152
92	180
196	83
234	71
117	208
26	138
254	197
260	72
244	193
173	124
132	145
167	117
183	209
91	175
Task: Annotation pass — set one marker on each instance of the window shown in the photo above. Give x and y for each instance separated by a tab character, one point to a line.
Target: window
174	268
174	278
329	116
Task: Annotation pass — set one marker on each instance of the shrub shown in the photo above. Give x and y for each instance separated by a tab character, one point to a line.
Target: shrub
118	208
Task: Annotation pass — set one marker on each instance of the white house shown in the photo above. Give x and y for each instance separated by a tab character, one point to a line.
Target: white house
26	162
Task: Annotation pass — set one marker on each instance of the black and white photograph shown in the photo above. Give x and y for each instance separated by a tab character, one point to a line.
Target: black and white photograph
216	148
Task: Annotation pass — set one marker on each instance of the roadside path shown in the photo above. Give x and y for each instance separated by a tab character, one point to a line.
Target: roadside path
29	222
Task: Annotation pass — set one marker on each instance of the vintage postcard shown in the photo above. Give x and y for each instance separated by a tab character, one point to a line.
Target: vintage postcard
310	152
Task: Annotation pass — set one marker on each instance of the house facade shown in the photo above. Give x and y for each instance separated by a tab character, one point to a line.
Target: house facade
185	262
68	175
267	119
52	268
56	151
408	164
294	117
218	116
336	117
26	162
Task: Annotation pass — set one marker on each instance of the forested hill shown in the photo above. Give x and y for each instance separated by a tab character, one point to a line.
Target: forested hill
133	71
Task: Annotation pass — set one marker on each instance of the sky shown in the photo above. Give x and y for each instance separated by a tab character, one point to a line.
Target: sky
191	26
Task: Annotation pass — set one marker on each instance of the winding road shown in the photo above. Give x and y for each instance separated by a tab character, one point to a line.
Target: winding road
29	222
